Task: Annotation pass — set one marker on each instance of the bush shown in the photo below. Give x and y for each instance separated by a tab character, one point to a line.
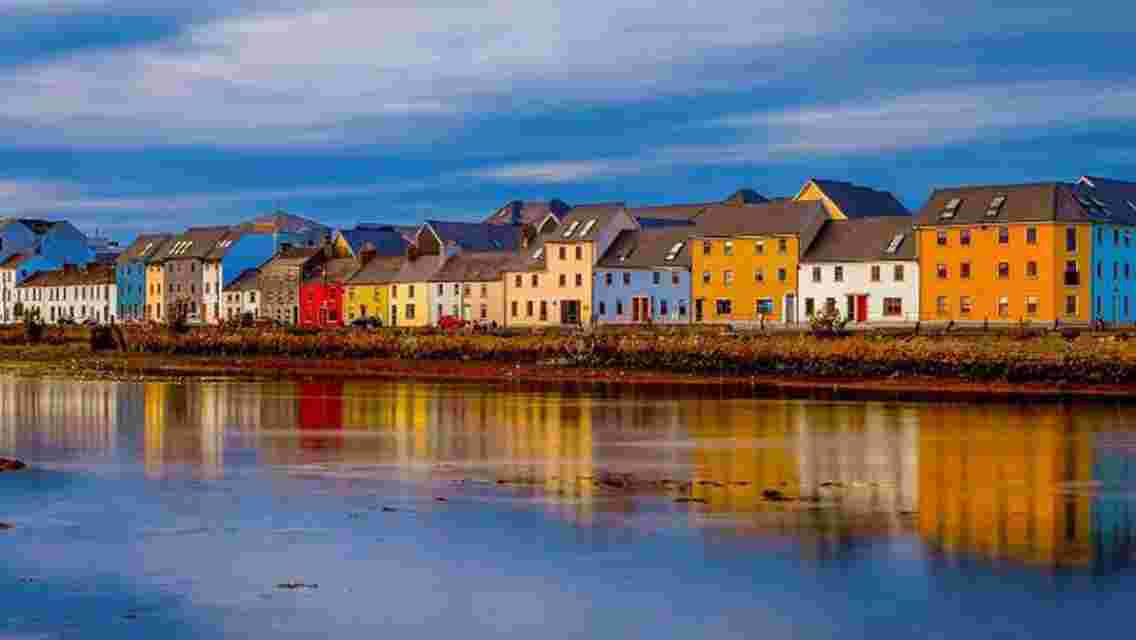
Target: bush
33	328
827	323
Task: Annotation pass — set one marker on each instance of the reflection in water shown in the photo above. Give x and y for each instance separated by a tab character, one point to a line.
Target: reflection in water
1033	487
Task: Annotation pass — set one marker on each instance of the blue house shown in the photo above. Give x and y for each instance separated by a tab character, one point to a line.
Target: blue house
130	274
1111	204
644	278
28	246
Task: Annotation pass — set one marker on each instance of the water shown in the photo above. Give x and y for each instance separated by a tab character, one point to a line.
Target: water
175	510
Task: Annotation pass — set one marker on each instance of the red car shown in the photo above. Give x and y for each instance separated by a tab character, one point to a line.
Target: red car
451	323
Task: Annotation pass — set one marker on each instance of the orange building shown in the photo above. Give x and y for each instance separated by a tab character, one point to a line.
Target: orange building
1005	254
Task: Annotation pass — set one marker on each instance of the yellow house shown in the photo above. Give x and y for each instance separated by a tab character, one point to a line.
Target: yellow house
368	291
843	200
551	282
1005	253
155	283
408	295
745	260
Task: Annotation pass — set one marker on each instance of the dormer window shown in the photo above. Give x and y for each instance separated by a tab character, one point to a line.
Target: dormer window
587	227
894	245
995	206
1131	205
571	228
538	254
673	253
951	209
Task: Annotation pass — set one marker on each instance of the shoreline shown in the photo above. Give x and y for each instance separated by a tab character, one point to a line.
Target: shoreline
74	362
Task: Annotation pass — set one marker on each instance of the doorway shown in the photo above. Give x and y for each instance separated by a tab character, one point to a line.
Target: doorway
699	305
640	309
790	309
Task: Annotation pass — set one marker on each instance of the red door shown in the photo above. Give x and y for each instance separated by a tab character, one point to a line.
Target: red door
861	308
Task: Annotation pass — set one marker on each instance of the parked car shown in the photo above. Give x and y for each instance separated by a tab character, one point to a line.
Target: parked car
451	323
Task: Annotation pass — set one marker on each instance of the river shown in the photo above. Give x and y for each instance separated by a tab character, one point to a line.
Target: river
399	509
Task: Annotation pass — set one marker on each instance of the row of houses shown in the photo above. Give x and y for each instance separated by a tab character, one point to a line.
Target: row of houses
1043	252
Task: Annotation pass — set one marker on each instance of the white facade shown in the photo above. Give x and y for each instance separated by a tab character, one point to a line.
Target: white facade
240	302
75	302
880	292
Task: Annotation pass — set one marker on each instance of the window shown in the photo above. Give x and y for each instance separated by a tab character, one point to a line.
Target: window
705	277
543	310
587	227
410	311
535	280
571	228
563	253
964	237
1003	270
995	206
810	307
394	290
941	238
529	308
484	312
964	271
724	307
782	245
816	274
875	273
675	278
603	308
1100	269
579	279
579	252
682	308
782	275
626	278
663	307
764	306
1100	235
941	271
441	312
705	247
466	290
1031	269
897	273
759	275
1127	270
1032	303
950	209
1072	276
728	248
893	307
656	277
619	307
941	305
441	289
410	292
830	305
1125	306
673	253
563	280
1003	235
759	247
1003	307
518	281
893	246
1116	237
1116	271
1070	305
537	254
727	277
607	279
484	291
838	274
1071	239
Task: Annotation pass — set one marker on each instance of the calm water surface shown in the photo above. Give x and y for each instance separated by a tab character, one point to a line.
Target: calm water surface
174	510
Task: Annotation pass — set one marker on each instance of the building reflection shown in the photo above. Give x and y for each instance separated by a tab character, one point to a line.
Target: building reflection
79	418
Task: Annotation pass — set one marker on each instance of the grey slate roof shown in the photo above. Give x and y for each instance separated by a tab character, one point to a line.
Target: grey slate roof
784	217
421	270
580	216
1117	196
519	212
670	212
72	275
248	280
334	271
201	242
861	202
387	239
863	240
648	249
379	270
1040	202
282	221
474	267
144	247
475	236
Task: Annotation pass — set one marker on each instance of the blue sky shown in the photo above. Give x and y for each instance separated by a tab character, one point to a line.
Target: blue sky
137	115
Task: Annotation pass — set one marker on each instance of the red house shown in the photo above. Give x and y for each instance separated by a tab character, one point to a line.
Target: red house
322	292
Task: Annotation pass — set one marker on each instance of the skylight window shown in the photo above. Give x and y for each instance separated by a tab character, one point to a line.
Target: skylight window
571	228
1131	205
147	248
673	253
951	209
895	242
995	206
587	227
1100	204
1085	202
538	254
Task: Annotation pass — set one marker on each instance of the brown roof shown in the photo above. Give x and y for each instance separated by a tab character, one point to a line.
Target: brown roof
335	270
420	270
144	247
670	211
649	248
72	275
576	222
863	240
474	267
1043	202
378	270
196	242
531	213
786	217
249	280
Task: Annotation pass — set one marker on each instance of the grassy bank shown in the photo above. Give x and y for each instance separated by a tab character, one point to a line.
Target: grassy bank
1085	360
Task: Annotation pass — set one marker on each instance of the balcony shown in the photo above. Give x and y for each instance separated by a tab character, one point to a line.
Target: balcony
1072	279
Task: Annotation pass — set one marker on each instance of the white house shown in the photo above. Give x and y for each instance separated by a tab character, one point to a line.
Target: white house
73	293
865	268
242	296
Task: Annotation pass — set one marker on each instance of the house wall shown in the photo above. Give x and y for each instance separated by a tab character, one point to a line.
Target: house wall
1114	274
368	301
321	305
610	299
156	293
857	280
211	289
280	292
470	301
80	303
130	278
710	263
985	289
184	286
524	297
410	304
237	303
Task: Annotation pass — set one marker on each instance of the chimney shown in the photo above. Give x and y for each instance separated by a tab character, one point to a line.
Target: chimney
367	253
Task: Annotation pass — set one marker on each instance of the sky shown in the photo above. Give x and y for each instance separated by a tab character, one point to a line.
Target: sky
127	116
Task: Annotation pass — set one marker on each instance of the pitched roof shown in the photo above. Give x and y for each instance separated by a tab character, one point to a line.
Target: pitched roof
474	267
378	270
72	275
476	236
648	249
248	280
1118	198
584	222
335	270
779	217
1040	202
196	242
144	247
669	212
291	257
421	270
38	227
387	239
863	240
861	202
282	221
531	213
